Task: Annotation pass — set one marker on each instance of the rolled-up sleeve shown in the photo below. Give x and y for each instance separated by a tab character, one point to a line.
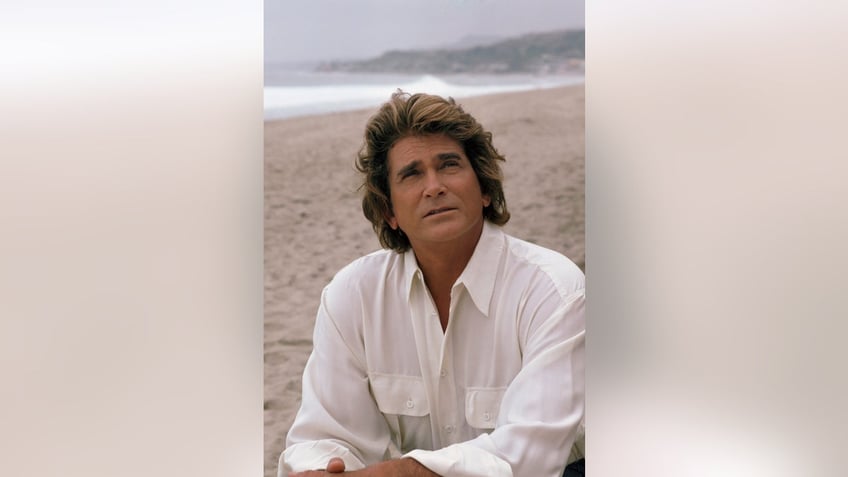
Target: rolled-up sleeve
336	400
541	409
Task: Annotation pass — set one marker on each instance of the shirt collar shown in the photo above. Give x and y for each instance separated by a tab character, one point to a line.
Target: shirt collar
479	275
411	272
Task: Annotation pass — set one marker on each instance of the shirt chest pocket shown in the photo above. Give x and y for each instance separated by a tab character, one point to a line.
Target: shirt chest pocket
401	395
482	406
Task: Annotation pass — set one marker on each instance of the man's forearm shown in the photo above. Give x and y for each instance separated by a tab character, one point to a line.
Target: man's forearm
405	467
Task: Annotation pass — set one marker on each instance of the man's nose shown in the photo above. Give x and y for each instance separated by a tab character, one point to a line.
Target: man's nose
433	185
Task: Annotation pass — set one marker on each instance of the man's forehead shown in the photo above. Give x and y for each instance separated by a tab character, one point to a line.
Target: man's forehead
420	147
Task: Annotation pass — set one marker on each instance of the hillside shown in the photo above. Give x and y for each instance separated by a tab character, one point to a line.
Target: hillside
539	53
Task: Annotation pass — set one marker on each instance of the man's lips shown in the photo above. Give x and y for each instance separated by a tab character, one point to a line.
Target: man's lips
438	211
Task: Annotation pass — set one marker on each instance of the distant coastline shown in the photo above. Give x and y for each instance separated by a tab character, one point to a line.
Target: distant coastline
471	67
559	52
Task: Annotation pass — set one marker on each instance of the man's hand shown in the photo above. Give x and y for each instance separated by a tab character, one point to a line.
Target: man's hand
390	468
334	466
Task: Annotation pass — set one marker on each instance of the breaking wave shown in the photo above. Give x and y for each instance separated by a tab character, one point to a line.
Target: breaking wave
301	100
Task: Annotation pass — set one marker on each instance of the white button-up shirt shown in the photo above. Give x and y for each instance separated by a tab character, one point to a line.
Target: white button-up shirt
499	393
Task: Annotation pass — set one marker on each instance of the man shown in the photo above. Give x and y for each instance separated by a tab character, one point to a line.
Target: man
455	351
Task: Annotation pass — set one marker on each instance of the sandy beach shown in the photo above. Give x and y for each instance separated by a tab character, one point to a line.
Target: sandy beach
314	224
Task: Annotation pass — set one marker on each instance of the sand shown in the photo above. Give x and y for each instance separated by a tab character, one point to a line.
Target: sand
314	224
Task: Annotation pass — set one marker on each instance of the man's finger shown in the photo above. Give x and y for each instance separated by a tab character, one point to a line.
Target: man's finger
335	466
308	473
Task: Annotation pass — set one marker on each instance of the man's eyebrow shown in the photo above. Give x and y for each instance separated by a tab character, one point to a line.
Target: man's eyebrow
444	156
408	168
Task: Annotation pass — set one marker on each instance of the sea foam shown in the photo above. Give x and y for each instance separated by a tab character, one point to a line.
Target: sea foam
300	100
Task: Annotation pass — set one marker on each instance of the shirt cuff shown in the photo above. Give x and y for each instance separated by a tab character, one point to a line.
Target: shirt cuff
462	460
314	456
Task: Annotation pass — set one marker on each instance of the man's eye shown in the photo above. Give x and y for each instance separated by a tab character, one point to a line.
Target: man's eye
409	174
450	163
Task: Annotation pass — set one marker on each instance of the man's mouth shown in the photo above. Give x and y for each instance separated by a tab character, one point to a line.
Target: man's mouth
438	211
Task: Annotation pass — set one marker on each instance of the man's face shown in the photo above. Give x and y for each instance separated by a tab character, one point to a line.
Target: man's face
435	193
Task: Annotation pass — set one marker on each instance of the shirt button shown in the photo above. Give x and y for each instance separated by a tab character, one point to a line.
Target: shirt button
486	416
443	373
410	404
449	429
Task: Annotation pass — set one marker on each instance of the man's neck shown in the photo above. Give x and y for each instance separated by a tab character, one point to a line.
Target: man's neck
442	264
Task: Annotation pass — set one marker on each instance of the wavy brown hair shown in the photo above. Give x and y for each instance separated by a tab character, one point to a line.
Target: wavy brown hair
422	114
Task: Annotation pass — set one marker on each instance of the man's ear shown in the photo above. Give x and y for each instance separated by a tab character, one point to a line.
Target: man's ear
486	200
391	220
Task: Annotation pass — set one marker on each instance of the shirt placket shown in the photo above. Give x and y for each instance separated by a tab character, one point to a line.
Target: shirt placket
446	380
429	342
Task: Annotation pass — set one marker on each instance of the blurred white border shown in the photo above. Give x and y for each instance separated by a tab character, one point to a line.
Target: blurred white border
131	251
716	224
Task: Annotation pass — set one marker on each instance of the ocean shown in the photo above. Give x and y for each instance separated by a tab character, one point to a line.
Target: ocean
293	93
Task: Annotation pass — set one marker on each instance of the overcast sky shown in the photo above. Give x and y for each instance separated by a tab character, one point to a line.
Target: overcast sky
340	29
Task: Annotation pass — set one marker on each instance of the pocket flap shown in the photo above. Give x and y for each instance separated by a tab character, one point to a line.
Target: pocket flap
482	406
404	395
